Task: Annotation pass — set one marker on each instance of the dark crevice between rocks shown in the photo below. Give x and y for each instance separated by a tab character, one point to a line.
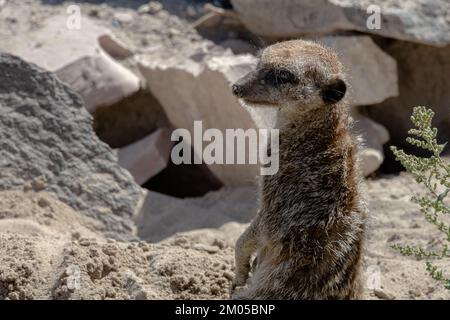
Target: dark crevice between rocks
422	70
136	117
391	166
398	127
184	180
129	120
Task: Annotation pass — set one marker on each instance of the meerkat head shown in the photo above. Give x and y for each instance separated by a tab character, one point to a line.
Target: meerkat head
295	73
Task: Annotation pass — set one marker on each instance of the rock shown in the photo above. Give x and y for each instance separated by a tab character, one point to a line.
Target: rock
148	156
371	72
382	294
123	17
371	160
196	86
206	248
238	46
160	214
424	73
223	237
78	59
150	8
421	21
374	137
47	139
114	47
103	81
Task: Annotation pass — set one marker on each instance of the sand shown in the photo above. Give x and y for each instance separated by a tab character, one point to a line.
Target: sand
49	251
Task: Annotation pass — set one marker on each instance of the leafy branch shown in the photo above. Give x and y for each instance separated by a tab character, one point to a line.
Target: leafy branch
433	173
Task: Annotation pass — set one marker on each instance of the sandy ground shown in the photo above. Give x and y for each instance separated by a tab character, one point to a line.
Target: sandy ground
394	219
48	251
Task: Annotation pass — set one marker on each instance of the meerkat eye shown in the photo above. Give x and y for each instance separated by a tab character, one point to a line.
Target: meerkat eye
279	77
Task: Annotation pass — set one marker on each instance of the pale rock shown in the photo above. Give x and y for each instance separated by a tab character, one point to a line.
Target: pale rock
114	47
123	17
238	46
374	136
383	294
371	73
424	21
99	80
150	8
206	248
78	58
148	156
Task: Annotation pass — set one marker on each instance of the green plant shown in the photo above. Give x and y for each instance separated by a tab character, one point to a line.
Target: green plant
433	173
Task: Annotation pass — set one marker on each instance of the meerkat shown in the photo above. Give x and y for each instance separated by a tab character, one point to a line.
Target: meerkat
309	229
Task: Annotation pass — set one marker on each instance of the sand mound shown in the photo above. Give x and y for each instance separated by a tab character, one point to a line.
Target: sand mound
49	251
138	270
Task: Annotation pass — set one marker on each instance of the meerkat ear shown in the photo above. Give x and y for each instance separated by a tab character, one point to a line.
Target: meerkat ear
334	91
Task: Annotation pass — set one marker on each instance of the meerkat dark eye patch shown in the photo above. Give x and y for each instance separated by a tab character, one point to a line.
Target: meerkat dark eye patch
334	91
279	77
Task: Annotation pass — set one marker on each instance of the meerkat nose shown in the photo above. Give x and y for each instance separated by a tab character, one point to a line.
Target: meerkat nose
237	90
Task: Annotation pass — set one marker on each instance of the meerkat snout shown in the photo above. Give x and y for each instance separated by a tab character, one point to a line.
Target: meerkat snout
334	91
237	90
291	73
243	86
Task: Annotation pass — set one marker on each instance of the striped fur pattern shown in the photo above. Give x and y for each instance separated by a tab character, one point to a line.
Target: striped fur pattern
309	230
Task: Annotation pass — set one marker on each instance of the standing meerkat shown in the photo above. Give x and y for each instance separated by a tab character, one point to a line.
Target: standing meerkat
309	229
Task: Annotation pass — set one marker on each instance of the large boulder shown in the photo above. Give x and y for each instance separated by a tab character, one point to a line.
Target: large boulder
47	143
371	72
78	57
424	77
421	21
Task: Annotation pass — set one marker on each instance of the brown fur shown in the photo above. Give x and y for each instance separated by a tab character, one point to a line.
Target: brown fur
309	230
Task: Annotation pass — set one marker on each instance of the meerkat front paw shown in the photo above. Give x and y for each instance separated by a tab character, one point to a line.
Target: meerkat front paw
239	281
